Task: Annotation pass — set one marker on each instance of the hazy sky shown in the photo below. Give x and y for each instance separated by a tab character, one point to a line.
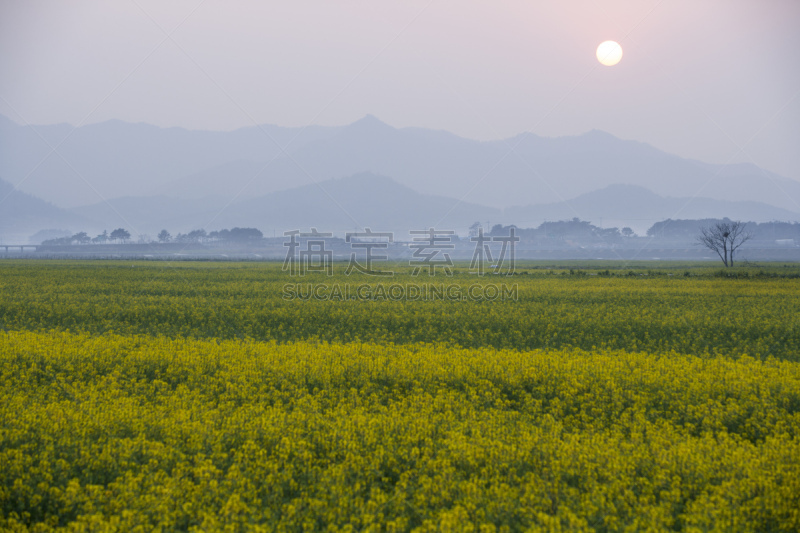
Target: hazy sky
717	80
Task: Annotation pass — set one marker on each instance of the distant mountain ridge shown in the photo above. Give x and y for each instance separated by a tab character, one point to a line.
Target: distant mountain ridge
381	203
338	205
364	174
638	208
354	202
22	215
114	159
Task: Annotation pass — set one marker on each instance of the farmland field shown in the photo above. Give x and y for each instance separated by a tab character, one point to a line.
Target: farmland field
208	396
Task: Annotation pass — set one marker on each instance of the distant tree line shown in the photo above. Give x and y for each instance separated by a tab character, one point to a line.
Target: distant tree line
122	236
223	235
684	231
687	230
564	231
119	235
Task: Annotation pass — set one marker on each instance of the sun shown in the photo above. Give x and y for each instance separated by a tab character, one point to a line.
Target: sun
609	53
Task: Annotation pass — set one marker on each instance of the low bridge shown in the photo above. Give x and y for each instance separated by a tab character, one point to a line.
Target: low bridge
21	247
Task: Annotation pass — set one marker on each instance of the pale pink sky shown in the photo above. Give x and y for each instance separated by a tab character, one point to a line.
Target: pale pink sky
716	80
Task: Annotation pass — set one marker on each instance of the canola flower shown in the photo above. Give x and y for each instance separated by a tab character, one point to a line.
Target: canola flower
195	399
696	315
125	432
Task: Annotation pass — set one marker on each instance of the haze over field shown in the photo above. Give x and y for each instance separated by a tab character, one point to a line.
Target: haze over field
474	265
399	115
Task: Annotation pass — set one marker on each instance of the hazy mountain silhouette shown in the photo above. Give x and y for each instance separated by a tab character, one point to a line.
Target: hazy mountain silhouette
114	159
639	208
500	173
358	201
22	215
534	169
149	214
337	205
238	179
525	168
378	202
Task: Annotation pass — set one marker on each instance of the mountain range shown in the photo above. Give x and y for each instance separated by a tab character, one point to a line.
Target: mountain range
366	174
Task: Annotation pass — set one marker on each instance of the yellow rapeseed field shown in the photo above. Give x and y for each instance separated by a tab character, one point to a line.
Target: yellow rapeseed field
152	397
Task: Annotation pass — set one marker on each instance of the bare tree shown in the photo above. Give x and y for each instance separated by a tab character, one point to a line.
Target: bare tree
724	238
737	237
